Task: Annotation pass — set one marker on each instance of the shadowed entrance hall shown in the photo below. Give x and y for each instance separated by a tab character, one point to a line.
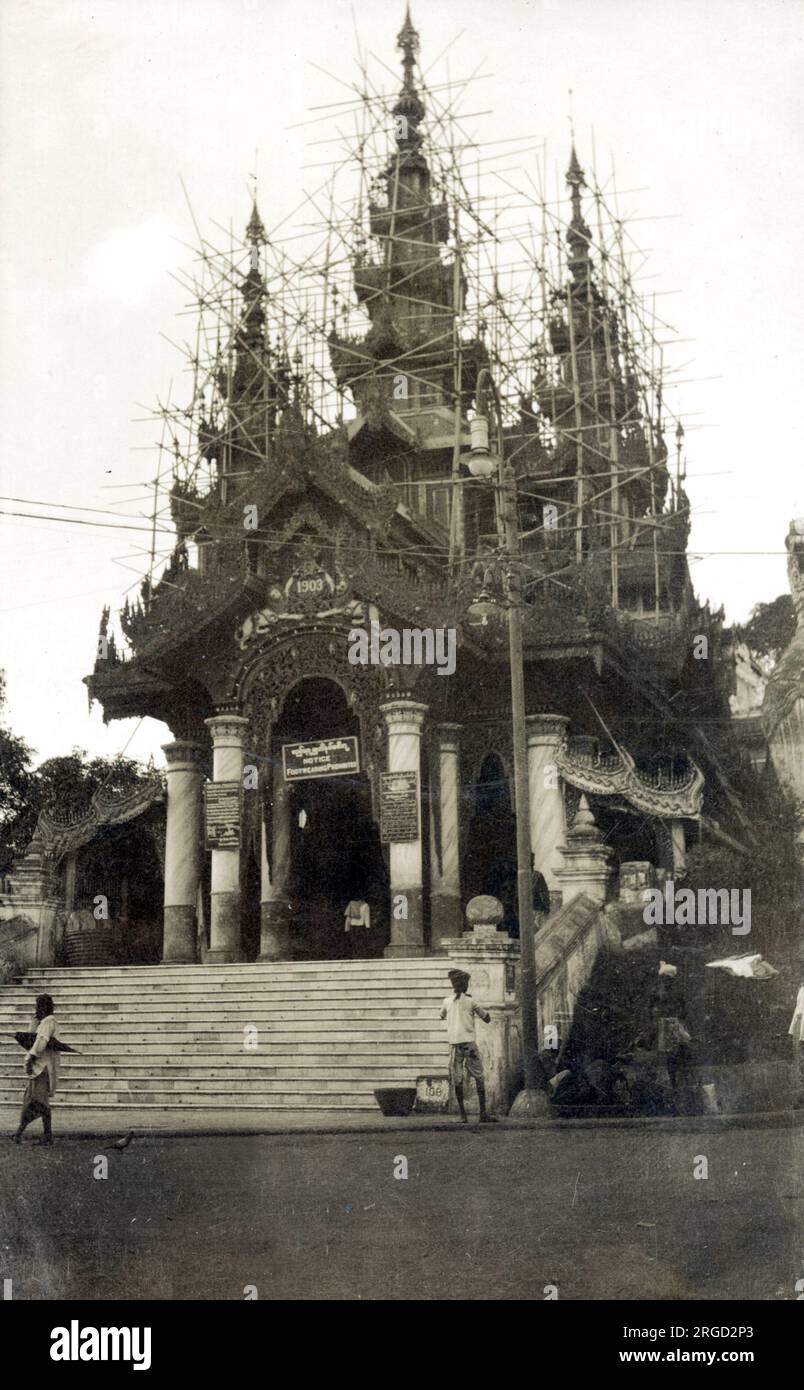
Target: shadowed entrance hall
335	852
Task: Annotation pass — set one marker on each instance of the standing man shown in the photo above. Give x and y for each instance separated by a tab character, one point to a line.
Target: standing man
459	1010
796	1031
41	1069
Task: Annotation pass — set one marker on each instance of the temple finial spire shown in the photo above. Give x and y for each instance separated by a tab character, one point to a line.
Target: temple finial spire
255	231
408	40
409	109
578	234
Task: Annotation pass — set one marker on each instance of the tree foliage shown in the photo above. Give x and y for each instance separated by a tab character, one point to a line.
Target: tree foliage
63	786
770	628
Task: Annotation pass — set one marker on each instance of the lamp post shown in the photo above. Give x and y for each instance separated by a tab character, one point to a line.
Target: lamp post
483	464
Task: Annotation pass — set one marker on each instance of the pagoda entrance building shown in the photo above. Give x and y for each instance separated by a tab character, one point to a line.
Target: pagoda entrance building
327	641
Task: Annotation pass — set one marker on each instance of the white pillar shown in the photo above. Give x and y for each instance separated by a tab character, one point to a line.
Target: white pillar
679	846
548	825
274	903
404	719
183	849
227	766
446	897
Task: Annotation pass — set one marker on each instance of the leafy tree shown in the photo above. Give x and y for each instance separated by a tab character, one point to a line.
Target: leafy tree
63	785
16	780
770	628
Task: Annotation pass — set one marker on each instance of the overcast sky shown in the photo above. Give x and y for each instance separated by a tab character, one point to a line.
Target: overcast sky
103	105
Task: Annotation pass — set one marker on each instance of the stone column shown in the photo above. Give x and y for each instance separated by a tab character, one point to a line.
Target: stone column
404	719
679	846
548	825
274	902
227	766
446	898
183	850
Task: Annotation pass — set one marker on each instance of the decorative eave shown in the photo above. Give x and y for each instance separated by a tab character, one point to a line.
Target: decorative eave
617	775
53	837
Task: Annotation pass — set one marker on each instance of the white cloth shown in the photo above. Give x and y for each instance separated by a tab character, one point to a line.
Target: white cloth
796	1029
459	1010
357	914
42	1057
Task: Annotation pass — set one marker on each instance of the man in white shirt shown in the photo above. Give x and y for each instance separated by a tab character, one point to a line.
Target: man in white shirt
796	1031
460	1010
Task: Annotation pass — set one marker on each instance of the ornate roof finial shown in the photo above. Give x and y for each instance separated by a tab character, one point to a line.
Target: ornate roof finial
575	174
578	235
255	231
409	109
408	40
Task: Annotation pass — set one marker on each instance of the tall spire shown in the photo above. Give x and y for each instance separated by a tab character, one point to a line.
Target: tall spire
578	234
409	109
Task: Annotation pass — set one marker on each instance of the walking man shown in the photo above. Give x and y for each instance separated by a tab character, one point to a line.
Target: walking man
41	1069
459	1010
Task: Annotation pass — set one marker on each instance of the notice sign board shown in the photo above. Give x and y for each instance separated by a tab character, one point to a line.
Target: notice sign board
323	757
222	815
399	807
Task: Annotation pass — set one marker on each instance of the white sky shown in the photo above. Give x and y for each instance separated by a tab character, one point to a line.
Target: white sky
103	105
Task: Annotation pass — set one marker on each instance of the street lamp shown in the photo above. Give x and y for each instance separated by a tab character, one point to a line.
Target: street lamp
483	464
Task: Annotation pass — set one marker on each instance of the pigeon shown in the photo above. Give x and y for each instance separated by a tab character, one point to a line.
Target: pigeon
124	1142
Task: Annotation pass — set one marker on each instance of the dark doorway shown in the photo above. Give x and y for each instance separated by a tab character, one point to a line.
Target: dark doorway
491	851
335	852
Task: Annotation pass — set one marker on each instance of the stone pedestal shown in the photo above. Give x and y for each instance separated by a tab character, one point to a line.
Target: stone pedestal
183	850
548	825
586	859
445	901
491	958
227	766
275	907
404	719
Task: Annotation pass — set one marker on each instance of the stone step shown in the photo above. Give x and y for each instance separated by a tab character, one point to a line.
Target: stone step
311	1066
237	1085
311	1046
267	1008
426	967
150	995
171	1037
110	1100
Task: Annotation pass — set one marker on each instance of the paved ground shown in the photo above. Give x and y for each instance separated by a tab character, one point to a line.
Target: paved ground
604	1211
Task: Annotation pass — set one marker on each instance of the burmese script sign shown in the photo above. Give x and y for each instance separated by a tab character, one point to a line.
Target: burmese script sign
323	757
399	807
222	815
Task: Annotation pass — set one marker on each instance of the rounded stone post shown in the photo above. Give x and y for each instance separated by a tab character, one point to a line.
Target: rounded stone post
548	826
404	719
183	850
227	766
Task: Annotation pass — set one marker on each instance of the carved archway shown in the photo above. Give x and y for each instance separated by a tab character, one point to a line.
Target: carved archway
272	671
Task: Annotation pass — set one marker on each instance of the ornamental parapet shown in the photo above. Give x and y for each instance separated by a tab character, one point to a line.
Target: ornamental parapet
661	793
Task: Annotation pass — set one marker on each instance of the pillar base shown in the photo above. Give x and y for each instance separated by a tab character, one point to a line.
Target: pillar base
274	931
179	940
396	950
220	956
445	919
224	942
407	934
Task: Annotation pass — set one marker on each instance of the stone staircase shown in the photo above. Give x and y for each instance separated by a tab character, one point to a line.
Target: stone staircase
168	1037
